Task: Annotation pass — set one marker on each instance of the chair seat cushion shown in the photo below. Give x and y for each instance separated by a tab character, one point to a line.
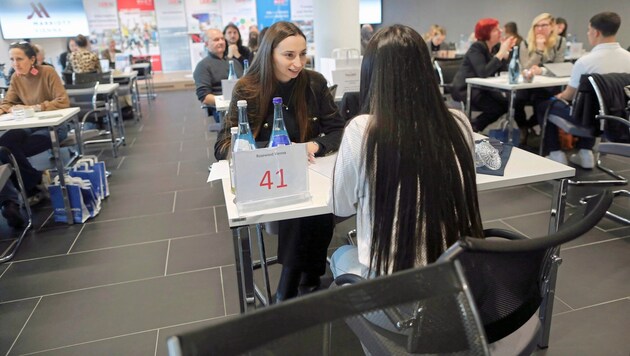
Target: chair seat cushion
621	149
86	135
570	127
5	174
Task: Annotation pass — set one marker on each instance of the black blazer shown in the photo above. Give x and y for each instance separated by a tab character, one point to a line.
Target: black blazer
479	62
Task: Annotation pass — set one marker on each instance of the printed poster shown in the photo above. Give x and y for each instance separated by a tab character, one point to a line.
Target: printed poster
242	13
172	31
202	15
138	27
102	18
272	11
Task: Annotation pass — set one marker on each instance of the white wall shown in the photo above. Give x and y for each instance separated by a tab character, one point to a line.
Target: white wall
459	17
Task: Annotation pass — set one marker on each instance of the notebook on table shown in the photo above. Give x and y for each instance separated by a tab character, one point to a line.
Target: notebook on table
562	69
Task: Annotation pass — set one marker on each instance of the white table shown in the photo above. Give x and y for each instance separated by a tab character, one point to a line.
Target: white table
522	168
115	120
128	81
501	83
145	74
52	120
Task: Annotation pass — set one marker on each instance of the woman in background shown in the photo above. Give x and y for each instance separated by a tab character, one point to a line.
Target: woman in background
39	87
311	117
71	46
83	60
510	29
435	38
484	60
406	169
543	45
562	27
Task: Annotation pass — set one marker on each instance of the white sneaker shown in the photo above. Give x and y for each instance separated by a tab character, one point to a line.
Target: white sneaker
584	158
558	156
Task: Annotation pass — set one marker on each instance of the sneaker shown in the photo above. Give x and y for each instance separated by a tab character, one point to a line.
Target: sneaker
11	212
38	198
584	158
46	180
558	156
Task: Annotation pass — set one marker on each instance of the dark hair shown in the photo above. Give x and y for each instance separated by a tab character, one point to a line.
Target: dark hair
81	41
252	41
511	27
239	43
262	34
606	22
28	49
561	20
484	27
68	43
420	169
260	83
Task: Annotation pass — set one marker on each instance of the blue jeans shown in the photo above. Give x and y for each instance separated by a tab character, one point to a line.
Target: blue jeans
551	141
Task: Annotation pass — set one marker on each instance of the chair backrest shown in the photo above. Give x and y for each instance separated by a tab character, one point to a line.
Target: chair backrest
585	106
508	278
142	71
302	325
83	95
350	105
446	69
613	100
81	78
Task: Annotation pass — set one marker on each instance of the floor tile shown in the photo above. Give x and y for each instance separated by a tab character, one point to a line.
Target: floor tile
129	205
600	330
193	253
502	203
98	313
49	241
82	270
137	344
594	274
13	316
199	198
230	290
166	333
144	229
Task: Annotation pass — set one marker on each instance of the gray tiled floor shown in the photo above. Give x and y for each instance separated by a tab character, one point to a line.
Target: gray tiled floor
158	260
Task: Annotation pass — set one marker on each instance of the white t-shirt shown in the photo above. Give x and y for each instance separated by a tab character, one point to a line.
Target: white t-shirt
349	194
603	58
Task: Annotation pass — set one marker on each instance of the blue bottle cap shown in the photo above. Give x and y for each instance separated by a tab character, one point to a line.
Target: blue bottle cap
277	100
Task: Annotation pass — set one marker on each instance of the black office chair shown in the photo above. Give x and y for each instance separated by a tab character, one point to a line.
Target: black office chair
146	74
316	324
350	105
513	278
446	70
73	78
7	170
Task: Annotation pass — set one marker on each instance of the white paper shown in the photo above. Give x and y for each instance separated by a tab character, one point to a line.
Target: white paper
218	171
324	165
6	117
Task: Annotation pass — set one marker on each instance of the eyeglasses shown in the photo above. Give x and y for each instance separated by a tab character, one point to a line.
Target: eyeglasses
544	25
19	43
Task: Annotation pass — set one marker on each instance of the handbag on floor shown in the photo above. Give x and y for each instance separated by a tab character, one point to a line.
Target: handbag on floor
87	163
83	203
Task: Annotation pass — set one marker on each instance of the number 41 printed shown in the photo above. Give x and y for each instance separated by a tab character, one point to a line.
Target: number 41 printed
266	180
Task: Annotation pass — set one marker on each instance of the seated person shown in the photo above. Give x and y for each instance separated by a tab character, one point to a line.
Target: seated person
561	27
83	60
607	56
39	50
435	39
110	53
543	45
481	61
510	29
235	48
71	46
211	70
410	154
366	34
39	87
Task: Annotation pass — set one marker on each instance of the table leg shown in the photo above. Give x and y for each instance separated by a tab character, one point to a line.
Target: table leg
60	169
511	117
135	98
468	98
119	121
244	270
263	265
557	217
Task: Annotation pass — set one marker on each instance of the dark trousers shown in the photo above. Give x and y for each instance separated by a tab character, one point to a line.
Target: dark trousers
23	144
551	141
533	97
303	243
492	106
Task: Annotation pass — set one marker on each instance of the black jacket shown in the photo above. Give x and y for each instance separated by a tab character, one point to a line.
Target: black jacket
479	62
326	124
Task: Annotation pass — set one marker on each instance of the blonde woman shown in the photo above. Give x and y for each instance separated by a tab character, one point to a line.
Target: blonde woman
543	45
435	37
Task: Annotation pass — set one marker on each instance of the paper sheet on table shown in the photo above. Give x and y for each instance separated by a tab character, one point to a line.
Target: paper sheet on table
324	165
218	171
6	117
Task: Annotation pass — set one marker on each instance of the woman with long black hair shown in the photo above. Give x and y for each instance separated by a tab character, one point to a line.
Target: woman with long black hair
406	168
311	117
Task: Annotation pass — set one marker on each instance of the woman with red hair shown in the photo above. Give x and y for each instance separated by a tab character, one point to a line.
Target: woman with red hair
484	58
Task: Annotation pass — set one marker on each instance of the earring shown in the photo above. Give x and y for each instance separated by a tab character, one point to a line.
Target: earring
34	70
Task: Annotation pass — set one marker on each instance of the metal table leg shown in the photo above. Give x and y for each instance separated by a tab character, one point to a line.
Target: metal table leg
244	270
60	169
468	98
511	116
557	217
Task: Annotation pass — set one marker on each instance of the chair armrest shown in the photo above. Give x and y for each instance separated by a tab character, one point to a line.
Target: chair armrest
506	234
347	278
617	119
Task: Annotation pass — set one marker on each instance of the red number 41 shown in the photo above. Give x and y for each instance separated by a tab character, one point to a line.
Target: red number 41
266	180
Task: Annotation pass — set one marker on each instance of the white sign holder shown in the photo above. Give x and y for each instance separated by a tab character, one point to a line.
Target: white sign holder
271	177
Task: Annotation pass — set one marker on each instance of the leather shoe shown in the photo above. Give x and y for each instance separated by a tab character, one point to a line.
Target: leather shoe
11	212
309	283
288	284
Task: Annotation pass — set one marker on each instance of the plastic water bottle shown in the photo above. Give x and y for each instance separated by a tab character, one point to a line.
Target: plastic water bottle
279	135
514	69
233	136
245	66
231	71
244	138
